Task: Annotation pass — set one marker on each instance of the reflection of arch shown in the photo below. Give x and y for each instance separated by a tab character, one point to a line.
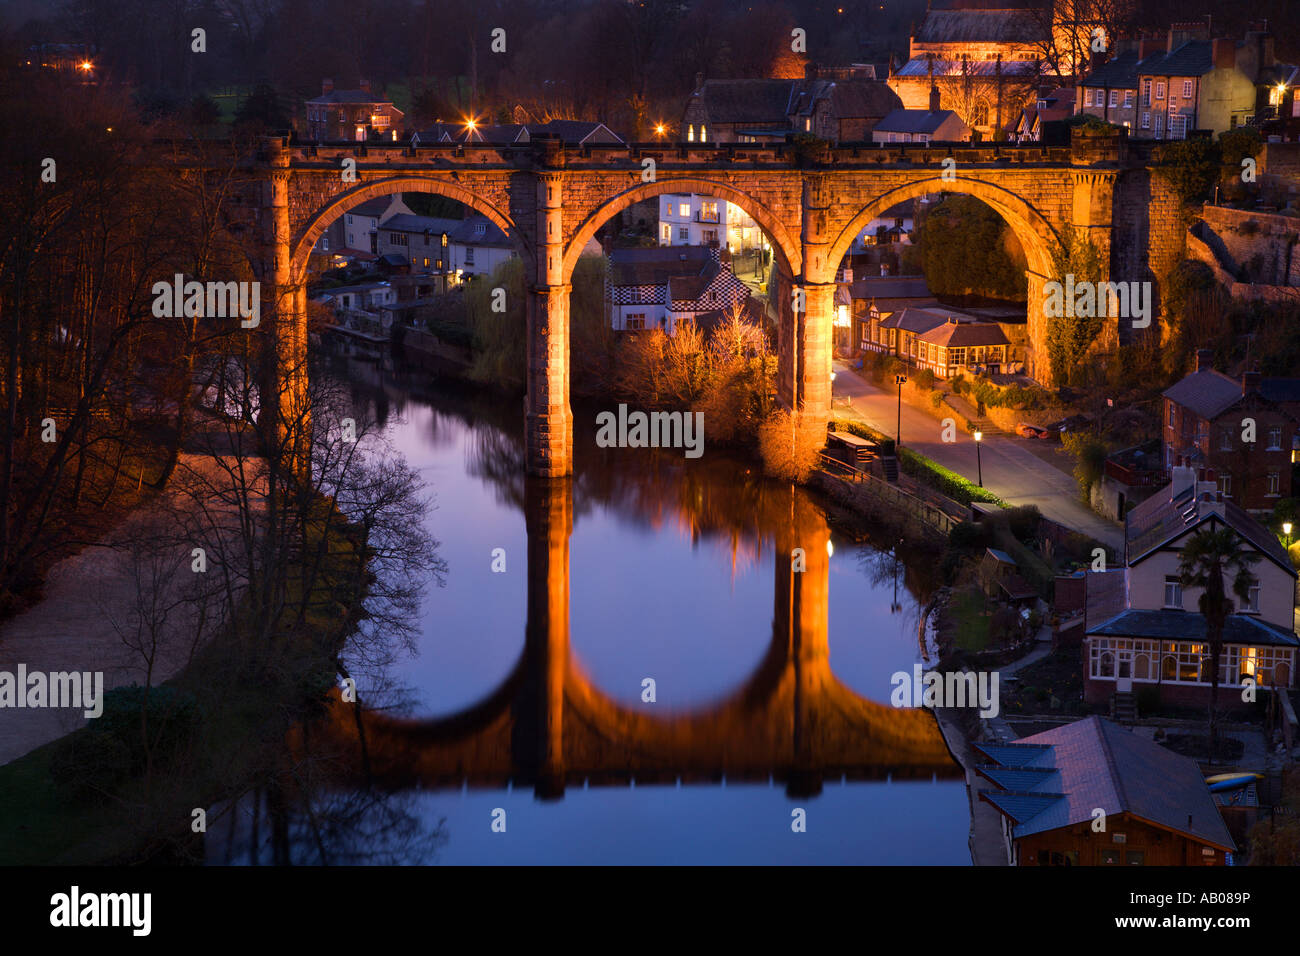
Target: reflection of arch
785	249
320	220
1036	235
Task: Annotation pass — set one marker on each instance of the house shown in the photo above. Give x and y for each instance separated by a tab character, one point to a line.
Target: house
1049	787
686	219
351	115
570	132
667	286
479	247
876	298
1110	92
1233	429
422	240
361	223
921	126
943	341
1158	638
987	64
838	104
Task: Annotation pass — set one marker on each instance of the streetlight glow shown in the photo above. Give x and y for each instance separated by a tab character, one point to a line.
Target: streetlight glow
87	66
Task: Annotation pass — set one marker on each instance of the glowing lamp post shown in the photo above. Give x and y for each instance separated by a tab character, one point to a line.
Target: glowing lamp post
1286	530
979	465
900	381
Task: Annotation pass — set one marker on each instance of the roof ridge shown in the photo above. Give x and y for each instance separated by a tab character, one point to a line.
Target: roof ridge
1117	782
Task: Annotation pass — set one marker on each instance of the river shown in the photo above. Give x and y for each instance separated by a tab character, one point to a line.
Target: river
626	666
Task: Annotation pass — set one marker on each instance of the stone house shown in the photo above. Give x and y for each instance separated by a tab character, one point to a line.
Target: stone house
358	114
667	286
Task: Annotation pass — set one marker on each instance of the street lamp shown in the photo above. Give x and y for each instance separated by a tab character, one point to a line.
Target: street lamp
1286	530
979	465
900	381
660	129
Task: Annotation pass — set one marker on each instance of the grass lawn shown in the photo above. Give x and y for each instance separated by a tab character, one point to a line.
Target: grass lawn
970	622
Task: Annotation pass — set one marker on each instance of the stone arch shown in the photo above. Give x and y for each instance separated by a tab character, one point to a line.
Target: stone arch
320	220
1035	233
785	250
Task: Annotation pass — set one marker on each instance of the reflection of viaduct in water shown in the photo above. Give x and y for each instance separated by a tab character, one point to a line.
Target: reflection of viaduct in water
548	726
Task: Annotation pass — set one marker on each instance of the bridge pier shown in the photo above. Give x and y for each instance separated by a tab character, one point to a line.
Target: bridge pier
548	438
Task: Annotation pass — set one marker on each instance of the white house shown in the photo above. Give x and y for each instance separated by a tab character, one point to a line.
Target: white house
920	126
665	287
686	219
1148	630
479	247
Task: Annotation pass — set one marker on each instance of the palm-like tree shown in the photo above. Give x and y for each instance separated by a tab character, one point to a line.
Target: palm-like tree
1208	558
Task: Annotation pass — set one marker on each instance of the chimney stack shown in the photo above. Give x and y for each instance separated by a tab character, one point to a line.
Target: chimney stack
365	86
1181	478
1148	46
1224	54
1249	383
1204	360
326	87
934	99
699	81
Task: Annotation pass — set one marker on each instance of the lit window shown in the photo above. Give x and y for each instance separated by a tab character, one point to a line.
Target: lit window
667	233
703	137
684	210
690	132
1173	592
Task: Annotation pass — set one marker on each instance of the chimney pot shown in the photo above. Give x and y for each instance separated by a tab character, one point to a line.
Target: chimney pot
326	87
1224	54
1249	383
1204	359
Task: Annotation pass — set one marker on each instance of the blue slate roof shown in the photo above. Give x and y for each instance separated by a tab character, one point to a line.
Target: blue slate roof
1175	625
1119	73
1022	779
1192	58
1013	755
1102	765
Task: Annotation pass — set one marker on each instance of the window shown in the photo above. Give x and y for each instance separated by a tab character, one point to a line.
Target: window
1275	438
1274	482
702	136
349	219
1160	90
1225	439
1178	126
1171	414
1128	99
426	262
709	211
667	233
981	115
1146	120
1251	604
684	210
480	229
807	124
683	233
1173	591
1187	89
1146	92
397	238
1225	485
1114	98
469	255
690	132
1087	98
634	322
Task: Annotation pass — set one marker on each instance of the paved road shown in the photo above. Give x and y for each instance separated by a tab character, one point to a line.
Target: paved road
1011	471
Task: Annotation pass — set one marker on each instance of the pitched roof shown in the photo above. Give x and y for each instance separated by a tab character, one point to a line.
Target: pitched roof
891	287
468	233
915	121
1280	389
957	334
1191	58
634	267
351	96
980	26
746	101
915	320
1173	624
1119	72
920	66
1165	517
404	222
1206	392
375	207
1097	763
1106	594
